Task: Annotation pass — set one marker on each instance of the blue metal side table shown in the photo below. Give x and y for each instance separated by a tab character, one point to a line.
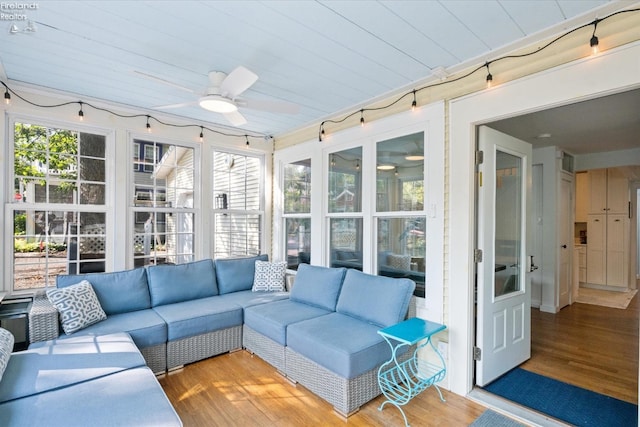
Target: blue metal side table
401	381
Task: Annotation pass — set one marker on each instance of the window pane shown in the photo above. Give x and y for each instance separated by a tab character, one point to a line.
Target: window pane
297	187
46	165
298	241
58	166
401	249
400	174
509	217
237	235
346	242
345	181
236	182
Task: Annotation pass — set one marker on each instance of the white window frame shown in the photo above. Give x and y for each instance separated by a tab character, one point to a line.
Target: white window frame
261	212
132	191
7	182
429	119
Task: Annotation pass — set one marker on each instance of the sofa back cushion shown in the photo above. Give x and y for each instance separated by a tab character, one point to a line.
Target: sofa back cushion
380	300
118	292
317	286
236	274
169	284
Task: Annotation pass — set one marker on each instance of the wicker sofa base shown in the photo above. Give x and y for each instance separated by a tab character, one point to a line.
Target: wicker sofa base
192	349
156	357
267	349
346	395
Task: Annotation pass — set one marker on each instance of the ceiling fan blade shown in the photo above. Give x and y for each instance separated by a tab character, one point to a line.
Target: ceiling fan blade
163	81
269	105
237	82
235	118
170	106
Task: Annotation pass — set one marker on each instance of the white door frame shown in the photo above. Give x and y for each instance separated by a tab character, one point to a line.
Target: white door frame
610	72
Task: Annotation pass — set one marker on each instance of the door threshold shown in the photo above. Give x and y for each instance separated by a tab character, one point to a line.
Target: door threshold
513	410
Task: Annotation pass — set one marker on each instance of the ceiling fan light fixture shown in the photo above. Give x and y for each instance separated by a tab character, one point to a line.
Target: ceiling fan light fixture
385	167
217	104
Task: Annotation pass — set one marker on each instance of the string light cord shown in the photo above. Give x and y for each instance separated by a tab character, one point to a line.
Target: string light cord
83	104
475	70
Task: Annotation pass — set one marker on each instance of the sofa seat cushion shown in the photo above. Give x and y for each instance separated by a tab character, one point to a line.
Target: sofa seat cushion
318	286
62	362
118	292
146	328
126	398
271	320
248	298
380	300
183	282
236	274
196	317
340	343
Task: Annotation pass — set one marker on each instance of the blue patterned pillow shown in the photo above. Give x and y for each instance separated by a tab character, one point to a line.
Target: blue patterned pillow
6	347
78	306
269	276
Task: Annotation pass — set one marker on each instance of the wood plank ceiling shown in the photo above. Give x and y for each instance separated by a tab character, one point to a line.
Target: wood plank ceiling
324	56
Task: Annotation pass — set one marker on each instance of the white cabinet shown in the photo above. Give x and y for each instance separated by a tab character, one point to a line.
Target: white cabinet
608	228
608	191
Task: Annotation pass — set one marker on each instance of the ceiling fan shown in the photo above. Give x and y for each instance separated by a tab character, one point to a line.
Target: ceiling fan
222	95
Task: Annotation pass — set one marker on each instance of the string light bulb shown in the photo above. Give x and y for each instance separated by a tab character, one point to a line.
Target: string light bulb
148	125
489	77
414	104
594	39
7	96
247	138
357	164
81	113
201	134
321	137
362	118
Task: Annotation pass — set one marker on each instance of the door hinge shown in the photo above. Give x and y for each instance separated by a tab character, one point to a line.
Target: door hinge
477	255
479	157
477	354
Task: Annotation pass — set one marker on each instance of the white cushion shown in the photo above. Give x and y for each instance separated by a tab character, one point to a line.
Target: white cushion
6	347
269	276
78	306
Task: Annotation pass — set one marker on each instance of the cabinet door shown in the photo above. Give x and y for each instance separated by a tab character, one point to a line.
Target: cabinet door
596	249
617	252
617	192
597	191
582	196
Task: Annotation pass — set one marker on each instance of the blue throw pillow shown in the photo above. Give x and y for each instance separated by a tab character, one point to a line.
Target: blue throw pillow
317	286
78	306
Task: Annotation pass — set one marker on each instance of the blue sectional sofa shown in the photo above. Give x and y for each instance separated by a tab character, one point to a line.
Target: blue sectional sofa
88	380
322	334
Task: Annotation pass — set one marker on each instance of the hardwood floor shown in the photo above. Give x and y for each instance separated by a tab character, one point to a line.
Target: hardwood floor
238	389
589	346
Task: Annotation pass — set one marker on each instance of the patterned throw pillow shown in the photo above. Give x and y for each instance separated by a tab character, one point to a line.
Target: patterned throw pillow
401	262
6	347
269	276
78	306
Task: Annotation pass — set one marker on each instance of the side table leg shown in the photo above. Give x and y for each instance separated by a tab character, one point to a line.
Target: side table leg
406	423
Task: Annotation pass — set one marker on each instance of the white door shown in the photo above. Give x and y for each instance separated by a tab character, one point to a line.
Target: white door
503	325
565	238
